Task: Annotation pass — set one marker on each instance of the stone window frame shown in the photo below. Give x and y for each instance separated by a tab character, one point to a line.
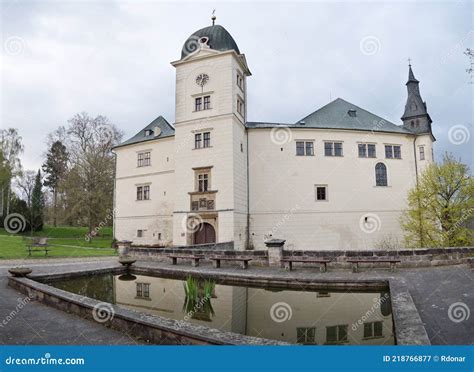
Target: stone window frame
338	339
240	106
142	159
142	191
202	171
372	334
326	195
305	147
392	147
309	335
333	148
381	180
421	152
142	290
366	150
240	80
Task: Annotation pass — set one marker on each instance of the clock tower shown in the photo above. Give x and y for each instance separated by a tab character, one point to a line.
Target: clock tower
211	196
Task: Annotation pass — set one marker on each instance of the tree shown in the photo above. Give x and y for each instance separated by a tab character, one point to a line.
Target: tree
440	206
25	184
90	180
37	204
55	168
11	148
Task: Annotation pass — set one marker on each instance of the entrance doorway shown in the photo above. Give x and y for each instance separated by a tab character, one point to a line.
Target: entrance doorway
204	234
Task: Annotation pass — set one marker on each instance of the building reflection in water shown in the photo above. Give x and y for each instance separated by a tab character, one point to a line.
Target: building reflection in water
291	316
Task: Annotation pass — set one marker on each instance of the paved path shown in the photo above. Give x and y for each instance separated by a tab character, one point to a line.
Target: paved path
433	290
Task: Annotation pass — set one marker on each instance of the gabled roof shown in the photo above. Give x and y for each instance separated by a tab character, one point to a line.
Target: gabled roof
166	130
340	114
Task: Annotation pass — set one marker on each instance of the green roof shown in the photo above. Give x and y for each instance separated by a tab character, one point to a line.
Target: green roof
148	133
340	114
219	39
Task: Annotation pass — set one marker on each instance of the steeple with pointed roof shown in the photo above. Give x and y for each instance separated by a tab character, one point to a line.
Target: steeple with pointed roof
415	118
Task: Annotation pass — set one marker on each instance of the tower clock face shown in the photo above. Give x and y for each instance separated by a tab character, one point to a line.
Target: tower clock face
202	79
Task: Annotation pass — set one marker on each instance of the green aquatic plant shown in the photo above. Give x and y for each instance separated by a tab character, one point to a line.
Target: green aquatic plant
197	303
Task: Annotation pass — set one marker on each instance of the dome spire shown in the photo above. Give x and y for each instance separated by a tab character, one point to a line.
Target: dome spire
213	17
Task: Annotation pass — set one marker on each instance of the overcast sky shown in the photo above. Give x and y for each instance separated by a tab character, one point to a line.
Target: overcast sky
113	58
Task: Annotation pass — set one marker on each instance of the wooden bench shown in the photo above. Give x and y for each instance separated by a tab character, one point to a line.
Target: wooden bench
194	259
244	262
355	263
288	262
38	244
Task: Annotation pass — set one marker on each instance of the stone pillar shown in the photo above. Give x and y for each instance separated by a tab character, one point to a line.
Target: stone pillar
275	252
124	247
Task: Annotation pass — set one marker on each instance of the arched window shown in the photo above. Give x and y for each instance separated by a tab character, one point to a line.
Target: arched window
380	174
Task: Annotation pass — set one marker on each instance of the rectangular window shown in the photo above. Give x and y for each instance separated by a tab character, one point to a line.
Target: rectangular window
304	148
422	153
240	106
143	290
140	193
373	329
203	182
332	148
393	152
198	104
306	336
336	334
207	139
321	193
144	159
139	233
240	81
197	140
328	148
300	148
366	150
146	192
207	102
371	151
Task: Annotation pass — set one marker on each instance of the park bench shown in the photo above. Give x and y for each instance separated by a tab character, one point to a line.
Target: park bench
244	262
194	259
356	261
288	262
38	244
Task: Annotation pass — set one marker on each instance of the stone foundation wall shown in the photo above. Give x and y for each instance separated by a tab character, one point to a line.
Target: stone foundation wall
409	257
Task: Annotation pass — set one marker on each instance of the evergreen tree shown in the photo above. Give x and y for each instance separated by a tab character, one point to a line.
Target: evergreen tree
37	204
55	168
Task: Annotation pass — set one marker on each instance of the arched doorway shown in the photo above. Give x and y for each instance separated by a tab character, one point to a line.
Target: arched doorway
204	234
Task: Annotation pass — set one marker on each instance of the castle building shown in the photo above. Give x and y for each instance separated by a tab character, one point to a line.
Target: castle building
337	178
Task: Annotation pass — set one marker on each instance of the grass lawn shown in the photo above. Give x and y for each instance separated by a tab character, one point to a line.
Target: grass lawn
64	241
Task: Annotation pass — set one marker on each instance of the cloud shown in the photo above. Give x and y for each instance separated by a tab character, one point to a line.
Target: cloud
113	59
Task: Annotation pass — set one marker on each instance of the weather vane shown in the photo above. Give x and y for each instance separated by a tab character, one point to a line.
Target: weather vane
409	61
213	17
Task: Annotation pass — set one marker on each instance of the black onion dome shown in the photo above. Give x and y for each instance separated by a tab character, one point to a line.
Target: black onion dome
218	39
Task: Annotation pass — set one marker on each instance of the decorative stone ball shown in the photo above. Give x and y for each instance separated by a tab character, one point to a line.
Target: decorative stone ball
20	271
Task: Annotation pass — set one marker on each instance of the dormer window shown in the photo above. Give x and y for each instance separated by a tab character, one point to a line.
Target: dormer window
148	132
352	113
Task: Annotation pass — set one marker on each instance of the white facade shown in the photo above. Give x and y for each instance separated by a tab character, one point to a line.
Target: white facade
254	185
